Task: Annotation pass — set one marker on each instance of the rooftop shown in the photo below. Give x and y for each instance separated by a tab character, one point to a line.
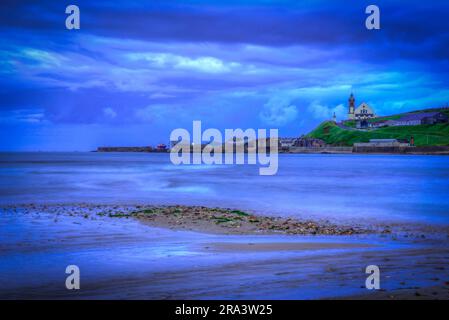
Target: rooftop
418	116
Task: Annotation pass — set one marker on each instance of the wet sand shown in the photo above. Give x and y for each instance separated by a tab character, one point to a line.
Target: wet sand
282	246
122	258
438	292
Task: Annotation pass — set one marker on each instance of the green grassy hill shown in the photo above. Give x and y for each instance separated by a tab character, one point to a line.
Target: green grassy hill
425	135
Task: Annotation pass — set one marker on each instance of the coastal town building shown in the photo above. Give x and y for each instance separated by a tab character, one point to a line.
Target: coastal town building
310	143
415	119
411	119
287	142
362	112
380	123
161	147
381	143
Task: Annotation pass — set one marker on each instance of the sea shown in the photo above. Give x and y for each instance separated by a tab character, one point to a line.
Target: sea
339	187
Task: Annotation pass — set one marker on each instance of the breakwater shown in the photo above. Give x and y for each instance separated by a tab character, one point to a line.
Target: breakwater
125	149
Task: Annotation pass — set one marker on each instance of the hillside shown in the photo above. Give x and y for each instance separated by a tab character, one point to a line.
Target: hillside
424	135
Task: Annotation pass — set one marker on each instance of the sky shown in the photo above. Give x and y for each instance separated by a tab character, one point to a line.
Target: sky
136	70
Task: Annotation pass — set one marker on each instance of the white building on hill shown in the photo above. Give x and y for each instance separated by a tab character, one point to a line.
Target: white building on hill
362	112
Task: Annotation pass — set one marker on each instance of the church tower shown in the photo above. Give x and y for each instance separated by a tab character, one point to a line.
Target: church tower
351	106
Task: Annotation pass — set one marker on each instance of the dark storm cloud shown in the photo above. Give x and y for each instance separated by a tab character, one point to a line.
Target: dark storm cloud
284	23
257	22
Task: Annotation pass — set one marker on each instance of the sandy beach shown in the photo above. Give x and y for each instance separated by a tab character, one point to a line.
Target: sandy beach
183	252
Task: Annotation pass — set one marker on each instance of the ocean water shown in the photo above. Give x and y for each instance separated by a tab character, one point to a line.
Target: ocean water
337	187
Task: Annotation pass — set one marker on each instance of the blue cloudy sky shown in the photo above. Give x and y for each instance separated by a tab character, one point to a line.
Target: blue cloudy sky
138	69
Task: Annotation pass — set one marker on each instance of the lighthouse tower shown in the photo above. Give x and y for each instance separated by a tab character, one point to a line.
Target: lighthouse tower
351	106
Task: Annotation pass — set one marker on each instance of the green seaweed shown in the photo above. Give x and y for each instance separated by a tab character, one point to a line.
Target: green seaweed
240	213
118	215
221	219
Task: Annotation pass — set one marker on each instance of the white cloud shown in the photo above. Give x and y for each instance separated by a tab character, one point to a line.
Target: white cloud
110	113
168	60
278	111
32	116
45	59
161	95
323	112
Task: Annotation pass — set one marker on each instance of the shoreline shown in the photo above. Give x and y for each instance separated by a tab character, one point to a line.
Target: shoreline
411	153
124	254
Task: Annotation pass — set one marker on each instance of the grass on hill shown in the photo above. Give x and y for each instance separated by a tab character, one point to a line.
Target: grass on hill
424	135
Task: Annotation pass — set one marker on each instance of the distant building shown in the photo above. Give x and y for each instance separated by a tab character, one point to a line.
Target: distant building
161	147
414	119
363	124
309	143
381	143
379	124
362	112
287	142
